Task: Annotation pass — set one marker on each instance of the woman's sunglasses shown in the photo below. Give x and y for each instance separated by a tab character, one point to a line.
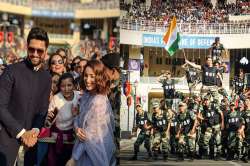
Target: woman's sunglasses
60	62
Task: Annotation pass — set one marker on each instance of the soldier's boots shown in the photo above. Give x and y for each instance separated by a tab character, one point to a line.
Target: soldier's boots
244	158
192	155
165	156
135	156
203	153
180	156
230	155
149	157
200	153
159	150
211	156
155	155
237	156
217	157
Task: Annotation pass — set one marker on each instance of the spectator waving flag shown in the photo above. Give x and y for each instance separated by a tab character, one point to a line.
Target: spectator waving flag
172	38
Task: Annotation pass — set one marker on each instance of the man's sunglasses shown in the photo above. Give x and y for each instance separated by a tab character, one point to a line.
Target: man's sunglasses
60	62
32	50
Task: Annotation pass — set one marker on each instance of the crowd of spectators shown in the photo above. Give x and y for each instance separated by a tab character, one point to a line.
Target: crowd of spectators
86	49
188	11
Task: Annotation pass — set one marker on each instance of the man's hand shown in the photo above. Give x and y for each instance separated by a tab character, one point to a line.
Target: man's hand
222	126
75	110
80	133
29	138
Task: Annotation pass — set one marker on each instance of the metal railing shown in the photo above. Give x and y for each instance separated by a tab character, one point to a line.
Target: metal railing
17	2
188	28
181	82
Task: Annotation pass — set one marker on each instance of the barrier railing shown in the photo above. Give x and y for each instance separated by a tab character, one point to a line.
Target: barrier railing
187	28
181	82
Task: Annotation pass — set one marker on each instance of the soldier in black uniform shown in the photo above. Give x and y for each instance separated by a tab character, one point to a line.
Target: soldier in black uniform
142	123
221	70
225	108
234	124
209	77
168	85
186	133
161	126
194	106
213	120
238	85
216	50
192	76
173	132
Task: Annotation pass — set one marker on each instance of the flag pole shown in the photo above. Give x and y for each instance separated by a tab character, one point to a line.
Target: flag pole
184	53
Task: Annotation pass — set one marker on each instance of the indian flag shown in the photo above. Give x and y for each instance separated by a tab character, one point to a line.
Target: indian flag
171	38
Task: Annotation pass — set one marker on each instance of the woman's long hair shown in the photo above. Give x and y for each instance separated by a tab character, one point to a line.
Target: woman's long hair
101	78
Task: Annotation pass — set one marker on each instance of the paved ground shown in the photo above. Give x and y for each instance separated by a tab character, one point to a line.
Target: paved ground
127	153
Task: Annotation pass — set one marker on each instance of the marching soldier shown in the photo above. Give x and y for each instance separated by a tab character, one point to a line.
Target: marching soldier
234	125
142	123
161	126
213	119
186	131
246	117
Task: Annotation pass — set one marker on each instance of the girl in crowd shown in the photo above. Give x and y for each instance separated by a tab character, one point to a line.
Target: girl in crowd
54	86
94	125
62	109
56	64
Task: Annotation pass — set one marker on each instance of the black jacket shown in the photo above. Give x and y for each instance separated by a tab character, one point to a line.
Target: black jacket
24	99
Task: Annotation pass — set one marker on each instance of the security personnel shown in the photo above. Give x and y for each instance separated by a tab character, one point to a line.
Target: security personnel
239	83
168	85
186	131
216	50
142	123
221	69
161	126
213	119
225	108
209	77
234	125
246	117
173	132
192	76
196	108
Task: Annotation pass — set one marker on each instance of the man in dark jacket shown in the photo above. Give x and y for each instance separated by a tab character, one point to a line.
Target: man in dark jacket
24	98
